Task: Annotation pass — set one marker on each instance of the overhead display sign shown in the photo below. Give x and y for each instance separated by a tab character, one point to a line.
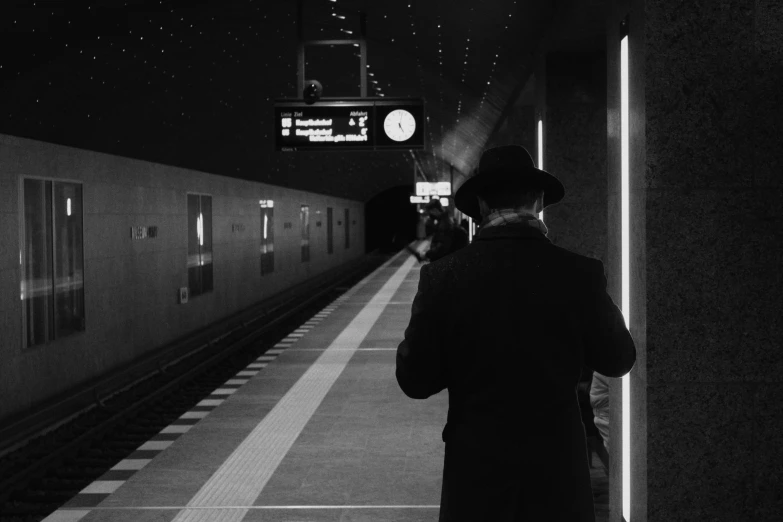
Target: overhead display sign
440	188
350	124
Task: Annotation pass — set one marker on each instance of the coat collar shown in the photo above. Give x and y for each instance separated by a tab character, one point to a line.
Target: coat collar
511	231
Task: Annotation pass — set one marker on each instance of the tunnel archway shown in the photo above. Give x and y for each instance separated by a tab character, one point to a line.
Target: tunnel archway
390	220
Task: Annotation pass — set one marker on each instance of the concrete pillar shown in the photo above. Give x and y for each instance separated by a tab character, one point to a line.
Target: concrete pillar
705	257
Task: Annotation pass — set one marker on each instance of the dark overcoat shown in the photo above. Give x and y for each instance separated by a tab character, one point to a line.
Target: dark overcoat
505	325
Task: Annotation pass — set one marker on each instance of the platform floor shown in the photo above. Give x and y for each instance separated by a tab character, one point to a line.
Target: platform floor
315	430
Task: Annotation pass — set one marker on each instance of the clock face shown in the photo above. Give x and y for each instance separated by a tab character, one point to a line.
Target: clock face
399	125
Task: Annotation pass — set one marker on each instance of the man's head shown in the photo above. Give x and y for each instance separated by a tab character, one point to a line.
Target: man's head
510	194
507	178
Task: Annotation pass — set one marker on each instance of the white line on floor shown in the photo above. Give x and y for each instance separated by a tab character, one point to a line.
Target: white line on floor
131	508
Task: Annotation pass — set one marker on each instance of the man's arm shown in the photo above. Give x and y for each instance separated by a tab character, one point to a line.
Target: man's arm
421	370
609	347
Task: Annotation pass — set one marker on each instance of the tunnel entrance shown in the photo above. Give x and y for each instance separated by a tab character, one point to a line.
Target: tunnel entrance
390	220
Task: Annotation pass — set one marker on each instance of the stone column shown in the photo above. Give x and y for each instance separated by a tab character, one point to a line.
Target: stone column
706	214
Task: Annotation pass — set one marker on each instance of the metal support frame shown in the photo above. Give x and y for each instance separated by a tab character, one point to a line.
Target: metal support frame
362	41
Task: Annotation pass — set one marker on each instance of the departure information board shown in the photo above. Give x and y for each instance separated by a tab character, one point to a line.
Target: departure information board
350	124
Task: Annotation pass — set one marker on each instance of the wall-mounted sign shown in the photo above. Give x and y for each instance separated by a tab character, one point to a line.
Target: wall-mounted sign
350	124
144	232
420	199
440	188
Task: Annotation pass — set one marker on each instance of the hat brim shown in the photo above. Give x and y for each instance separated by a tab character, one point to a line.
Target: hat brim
465	198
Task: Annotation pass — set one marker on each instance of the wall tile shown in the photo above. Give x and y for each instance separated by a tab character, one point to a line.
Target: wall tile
699	96
9	193
576	155
9	240
713	286
768	450
700	452
767	79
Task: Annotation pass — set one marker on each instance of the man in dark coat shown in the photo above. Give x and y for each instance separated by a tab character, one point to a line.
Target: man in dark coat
505	325
447	237
443	235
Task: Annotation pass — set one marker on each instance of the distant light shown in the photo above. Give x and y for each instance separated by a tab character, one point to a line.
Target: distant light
68	206
200	228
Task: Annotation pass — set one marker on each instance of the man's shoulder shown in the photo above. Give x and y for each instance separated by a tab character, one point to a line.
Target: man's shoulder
478	253
575	257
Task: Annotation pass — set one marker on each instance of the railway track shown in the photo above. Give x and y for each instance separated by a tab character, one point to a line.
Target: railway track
49	470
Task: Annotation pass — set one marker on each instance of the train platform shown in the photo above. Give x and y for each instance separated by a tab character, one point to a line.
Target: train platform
316	429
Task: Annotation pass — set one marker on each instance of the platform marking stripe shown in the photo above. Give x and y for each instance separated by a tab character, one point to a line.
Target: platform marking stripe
246	373
103	486
67	515
358	349
155	445
131	464
176	429
302	330
211	402
194	415
266	358
256	365
282	345
236	382
245	473
276	351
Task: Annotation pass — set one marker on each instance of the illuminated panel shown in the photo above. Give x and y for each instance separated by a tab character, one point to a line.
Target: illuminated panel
470	229
318	127
541	155
624	174
426	188
350	124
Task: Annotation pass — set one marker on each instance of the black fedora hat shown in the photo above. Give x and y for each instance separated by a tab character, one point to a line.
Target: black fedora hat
499	164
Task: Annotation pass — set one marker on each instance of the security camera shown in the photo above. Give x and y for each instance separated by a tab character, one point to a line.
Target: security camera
312	91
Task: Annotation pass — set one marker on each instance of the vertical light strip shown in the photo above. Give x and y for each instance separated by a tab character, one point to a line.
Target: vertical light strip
541	155
624	174
470	230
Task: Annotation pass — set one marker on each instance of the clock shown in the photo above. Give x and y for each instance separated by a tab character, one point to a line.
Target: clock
399	125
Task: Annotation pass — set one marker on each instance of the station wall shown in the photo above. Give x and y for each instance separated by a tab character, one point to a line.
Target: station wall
131	286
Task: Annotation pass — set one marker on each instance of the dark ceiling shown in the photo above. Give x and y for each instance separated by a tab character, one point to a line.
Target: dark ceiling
192	83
